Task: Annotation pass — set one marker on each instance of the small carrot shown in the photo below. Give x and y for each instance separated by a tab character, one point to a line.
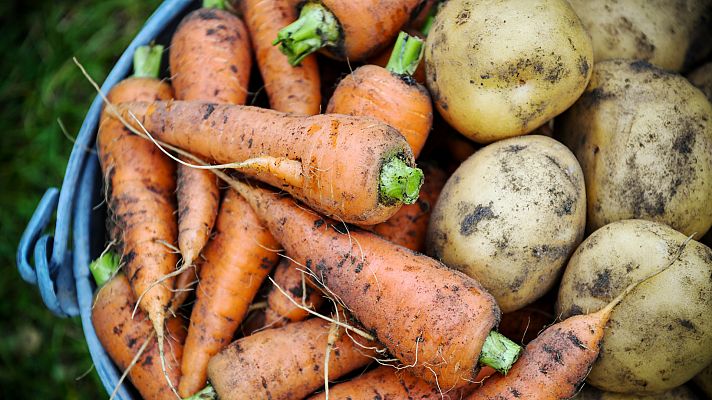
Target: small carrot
345	30
290	89
123	336
237	260
140	189
297	285
354	168
210	60
391	94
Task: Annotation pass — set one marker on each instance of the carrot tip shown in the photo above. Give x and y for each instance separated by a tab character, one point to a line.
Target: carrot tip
147	61
208	393
104	267
499	352
399	182
316	27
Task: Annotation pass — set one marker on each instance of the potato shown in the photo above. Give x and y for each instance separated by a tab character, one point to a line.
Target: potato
644	140
679	393
510	216
498	69
662	32
702	78
660	335
704	380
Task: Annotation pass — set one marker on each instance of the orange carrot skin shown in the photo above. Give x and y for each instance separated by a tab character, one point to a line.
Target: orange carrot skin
381	59
122	337
290	89
141	185
340	156
237	260
284	363
289	278
409	226
552	366
400	102
445	319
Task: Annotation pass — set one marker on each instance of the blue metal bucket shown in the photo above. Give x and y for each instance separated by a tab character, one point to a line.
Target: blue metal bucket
62	275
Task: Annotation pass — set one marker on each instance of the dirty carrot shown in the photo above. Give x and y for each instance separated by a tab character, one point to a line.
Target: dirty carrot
289	88
353	30
390	94
140	192
237	260
297	285
210	61
356	169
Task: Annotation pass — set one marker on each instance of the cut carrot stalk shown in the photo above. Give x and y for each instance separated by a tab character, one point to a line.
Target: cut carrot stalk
316	28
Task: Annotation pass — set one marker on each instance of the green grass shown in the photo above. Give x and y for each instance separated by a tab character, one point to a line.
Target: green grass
42	356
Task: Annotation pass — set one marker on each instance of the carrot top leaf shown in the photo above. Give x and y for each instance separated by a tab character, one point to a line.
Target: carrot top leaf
406	55
499	352
208	393
399	182
316	27
218	4
104	267
147	61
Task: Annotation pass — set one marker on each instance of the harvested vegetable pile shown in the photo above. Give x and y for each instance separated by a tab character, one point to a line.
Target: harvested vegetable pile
270	251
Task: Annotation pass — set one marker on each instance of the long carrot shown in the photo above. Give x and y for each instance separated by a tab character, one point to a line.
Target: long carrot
353	30
390	94
123	336
237	260
295	284
140	185
210	61
290	89
354	168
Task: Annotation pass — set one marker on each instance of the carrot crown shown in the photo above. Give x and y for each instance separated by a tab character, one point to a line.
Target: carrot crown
399	182
406	54
499	352
147	61
208	393
316	27
104	267
218	4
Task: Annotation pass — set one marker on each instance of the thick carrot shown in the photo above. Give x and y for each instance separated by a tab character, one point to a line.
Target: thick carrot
285	363
409	226
210	61
346	30
140	189
428	316
390	94
290	89
123	337
237	260
353	168
295	284
381	59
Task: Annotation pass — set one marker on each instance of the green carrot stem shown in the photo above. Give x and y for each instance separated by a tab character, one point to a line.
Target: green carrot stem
499	352
147	61
104	267
406	55
425	29
218	4
316	27
208	393
399	182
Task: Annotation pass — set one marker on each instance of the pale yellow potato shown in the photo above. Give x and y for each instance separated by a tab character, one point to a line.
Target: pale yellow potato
498	69
661	32
644	140
660	335
704	380
702	78
510	216
679	393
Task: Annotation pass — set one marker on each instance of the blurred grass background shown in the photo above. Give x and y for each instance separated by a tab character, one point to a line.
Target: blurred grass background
42	356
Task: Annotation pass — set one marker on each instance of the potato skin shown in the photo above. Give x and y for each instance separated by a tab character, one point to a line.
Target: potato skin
679	393
510	216
660	335
662	32
644	140
492	76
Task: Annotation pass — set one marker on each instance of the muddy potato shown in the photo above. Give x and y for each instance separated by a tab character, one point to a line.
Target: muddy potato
498	69
510	216
679	393
660	335
704	380
644	140
702	78
665	33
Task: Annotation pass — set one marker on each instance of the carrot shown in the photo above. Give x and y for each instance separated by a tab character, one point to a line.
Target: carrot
354	168
296	284
345	30
124	336
381	59
210	61
432	318
287	362
140	190
408	227
290	89
390	94
237	260
388	384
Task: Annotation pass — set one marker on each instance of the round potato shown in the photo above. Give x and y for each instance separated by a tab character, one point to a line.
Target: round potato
663	32
702	78
498	69
510	216
679	393
644	140
660	335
